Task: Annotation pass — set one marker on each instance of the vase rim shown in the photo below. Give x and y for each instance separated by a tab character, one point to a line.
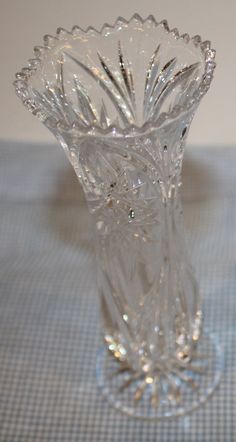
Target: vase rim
22	80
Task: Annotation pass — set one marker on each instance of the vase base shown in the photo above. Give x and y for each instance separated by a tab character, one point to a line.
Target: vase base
165	394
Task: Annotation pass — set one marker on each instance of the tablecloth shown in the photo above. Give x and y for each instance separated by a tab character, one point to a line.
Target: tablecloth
49	313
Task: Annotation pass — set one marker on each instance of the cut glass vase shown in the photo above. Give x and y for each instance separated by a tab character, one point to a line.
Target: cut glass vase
120	102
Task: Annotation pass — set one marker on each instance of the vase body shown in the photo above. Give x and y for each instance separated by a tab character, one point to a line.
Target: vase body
149	297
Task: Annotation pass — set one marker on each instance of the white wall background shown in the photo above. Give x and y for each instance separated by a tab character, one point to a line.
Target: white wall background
24	22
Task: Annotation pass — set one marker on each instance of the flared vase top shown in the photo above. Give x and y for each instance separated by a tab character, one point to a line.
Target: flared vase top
122	80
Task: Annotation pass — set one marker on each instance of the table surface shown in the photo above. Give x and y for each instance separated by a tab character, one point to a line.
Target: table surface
49	320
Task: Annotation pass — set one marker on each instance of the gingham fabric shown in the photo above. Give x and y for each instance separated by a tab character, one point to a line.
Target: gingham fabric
49	317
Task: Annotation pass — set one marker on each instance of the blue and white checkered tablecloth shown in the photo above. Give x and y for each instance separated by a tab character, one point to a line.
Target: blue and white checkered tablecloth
49	320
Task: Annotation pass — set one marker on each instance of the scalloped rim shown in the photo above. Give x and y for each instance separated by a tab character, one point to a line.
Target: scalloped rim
22	77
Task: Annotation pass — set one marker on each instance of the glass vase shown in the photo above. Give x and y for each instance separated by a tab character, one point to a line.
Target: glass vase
120	102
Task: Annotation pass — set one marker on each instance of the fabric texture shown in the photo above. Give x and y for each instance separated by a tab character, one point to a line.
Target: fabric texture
49	313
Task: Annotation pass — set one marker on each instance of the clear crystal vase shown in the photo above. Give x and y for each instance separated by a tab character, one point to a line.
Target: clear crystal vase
120	102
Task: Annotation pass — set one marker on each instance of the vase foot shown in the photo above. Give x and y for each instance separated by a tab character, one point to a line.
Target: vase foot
166	393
